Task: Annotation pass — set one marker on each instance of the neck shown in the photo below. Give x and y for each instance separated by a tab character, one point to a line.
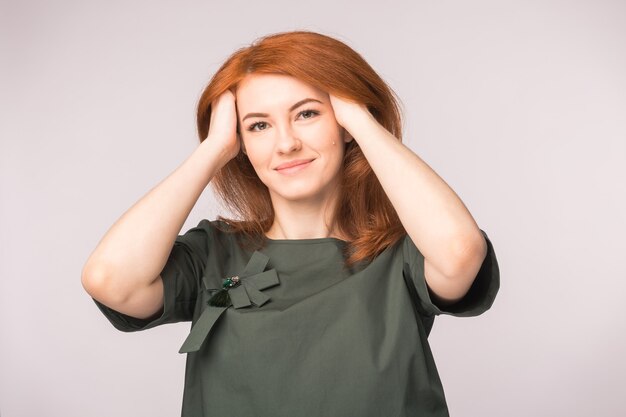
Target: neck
304	219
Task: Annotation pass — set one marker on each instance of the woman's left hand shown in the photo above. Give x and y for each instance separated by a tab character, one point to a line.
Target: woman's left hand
349	114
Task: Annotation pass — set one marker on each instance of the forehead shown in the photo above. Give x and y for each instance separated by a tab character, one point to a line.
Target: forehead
267	91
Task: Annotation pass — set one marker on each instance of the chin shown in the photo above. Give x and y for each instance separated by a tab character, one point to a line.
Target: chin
296	192
297	196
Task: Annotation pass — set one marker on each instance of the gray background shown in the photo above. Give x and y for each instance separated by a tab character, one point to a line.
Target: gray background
519	106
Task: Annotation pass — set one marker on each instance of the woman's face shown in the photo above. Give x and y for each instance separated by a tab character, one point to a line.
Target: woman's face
284	120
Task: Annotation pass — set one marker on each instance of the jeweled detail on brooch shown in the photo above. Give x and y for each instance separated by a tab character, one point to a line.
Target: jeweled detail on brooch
231	282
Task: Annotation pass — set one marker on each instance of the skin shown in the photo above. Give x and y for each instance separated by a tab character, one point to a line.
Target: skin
123	272
303	201
434	216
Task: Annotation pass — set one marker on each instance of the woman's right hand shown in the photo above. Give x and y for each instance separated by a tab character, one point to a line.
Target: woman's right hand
223	125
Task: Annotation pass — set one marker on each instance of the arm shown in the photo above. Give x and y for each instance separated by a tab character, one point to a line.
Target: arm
123	270
433	215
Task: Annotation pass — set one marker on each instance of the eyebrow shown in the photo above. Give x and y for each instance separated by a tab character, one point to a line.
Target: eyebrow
295	106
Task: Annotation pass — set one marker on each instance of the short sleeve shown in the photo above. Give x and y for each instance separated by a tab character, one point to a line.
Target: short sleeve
478	299
181	276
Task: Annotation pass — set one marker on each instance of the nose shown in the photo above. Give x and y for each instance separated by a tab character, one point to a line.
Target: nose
287	140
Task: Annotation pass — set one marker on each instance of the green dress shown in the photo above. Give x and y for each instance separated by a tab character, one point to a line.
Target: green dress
301	335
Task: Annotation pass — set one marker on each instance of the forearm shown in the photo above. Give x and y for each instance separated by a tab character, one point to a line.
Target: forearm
134	250
431	212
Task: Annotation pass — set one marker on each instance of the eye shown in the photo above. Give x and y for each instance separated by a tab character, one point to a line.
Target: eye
253	126
306	114
309	112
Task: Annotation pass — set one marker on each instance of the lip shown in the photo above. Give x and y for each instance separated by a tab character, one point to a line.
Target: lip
294	163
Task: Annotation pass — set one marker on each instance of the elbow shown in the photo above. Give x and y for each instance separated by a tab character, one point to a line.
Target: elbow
470	255
91	280
98	283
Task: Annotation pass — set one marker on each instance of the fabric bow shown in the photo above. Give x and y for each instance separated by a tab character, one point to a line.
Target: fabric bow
238	291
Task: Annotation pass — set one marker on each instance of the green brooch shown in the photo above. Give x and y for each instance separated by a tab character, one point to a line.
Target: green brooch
221	298
238	291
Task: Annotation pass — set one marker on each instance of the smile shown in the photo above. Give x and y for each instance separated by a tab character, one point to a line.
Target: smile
294	169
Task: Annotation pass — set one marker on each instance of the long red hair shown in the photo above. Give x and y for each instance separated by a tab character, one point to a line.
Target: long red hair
364	212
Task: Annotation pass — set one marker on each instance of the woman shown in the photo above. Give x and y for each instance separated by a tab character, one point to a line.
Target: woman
316	301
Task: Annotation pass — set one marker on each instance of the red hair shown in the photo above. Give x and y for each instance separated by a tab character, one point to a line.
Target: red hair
364	213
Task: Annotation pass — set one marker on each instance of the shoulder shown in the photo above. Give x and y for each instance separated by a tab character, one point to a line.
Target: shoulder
207	235
224	237
213	228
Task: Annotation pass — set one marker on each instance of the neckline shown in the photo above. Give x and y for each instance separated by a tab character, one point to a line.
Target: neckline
303	241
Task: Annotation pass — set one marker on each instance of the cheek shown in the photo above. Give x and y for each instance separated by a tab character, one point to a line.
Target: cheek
326	135
333	139
249	146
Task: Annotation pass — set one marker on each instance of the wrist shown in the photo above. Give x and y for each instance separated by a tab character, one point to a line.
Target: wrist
219	155
362	123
